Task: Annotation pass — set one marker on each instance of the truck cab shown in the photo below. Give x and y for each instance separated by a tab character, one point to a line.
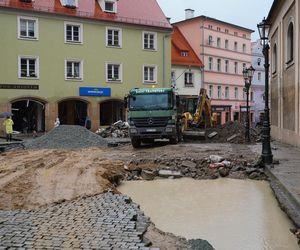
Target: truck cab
153	113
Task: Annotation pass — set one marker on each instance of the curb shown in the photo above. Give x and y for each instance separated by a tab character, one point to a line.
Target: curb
287	201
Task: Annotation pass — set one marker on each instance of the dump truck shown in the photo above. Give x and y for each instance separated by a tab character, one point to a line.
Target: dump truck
153	113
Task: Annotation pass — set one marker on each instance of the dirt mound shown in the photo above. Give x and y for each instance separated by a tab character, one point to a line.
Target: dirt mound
67	137
233	132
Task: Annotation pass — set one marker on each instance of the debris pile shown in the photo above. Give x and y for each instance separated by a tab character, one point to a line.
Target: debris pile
67	137
118	129
233	132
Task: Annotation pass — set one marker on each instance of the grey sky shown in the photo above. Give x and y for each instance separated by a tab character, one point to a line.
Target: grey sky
240	12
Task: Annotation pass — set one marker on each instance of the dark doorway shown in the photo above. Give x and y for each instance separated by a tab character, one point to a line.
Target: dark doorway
236	116
29	115
111	111
72	112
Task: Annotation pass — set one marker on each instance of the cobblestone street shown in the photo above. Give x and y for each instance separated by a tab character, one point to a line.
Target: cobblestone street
105	221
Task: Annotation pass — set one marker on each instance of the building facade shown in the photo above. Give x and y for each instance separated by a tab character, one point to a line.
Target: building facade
186	72
73	59
225	49
284	70
258	82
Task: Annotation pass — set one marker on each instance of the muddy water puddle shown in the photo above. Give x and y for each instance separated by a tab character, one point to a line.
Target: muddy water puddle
230	214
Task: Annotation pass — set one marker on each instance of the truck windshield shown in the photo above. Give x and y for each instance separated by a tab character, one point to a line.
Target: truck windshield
151	102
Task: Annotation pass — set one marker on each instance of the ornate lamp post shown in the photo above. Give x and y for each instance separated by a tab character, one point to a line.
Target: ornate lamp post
248	75
267	156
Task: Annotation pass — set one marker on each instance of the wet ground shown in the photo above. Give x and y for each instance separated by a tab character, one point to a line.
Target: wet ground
230	214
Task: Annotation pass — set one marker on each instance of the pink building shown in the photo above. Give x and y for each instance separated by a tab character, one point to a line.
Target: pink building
225	49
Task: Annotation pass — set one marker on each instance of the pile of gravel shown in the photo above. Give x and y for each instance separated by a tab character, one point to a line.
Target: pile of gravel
67	137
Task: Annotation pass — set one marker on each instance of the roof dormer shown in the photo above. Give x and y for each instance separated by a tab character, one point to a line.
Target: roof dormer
73	4
109	6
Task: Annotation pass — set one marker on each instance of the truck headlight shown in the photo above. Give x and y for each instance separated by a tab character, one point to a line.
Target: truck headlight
169	129
133	131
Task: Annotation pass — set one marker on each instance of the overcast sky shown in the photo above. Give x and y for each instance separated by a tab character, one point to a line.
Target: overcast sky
240	12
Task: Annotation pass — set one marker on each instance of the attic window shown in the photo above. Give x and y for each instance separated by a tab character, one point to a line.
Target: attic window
70	3
110	6
184	53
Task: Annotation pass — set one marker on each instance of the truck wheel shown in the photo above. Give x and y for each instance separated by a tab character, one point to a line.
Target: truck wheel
174	140
136	143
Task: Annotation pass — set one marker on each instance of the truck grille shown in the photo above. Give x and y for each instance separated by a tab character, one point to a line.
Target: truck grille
151	122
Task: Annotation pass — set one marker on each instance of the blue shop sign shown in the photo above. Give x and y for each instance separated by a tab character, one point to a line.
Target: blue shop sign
87	91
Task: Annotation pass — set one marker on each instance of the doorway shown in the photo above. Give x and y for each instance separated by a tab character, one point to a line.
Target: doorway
72	112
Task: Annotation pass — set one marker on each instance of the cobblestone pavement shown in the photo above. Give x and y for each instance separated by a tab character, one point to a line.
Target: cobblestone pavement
105	221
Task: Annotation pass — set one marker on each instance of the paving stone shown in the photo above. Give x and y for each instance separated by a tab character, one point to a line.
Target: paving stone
104	221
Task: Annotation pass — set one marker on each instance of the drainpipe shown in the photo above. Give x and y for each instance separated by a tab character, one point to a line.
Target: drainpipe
164	59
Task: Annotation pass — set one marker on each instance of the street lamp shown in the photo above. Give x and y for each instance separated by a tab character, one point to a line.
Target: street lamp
267	157
248	75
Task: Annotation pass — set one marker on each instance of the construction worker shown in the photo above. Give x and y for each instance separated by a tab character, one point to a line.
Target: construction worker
214	119
8	124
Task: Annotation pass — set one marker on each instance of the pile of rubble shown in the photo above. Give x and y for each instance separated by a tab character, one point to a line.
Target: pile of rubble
67	137
233	132
118	129
211	167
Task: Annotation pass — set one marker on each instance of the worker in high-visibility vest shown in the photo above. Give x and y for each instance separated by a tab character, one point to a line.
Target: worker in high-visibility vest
8	124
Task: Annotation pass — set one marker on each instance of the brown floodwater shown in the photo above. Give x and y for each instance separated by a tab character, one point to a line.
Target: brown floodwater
230	214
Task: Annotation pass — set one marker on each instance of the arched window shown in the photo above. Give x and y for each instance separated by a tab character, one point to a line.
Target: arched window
274	58
290	43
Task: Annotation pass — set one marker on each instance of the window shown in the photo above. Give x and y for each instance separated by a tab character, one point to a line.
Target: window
73	70
211	91
244	48
210	40
226	66
219	92
113	72
188	79
244	65
226	92
73	33
226	31
149	74
218	29
219	65
274	59
235	33
290	43
219	42
235	46
70	3
236	93
226	44
27	28
251	96
28	67
109	6
113	37
258	61
210	63
184	53
236	70
149	40
173	79
244	35
259	76
210	27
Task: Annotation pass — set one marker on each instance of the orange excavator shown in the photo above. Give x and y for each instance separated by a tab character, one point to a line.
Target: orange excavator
195	124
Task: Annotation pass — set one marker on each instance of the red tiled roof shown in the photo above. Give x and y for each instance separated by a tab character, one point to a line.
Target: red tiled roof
180	44
139	12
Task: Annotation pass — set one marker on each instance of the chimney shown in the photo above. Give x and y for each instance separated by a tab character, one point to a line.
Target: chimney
189	13
169	20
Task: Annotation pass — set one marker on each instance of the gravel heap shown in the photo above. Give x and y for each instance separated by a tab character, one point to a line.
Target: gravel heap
67	137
